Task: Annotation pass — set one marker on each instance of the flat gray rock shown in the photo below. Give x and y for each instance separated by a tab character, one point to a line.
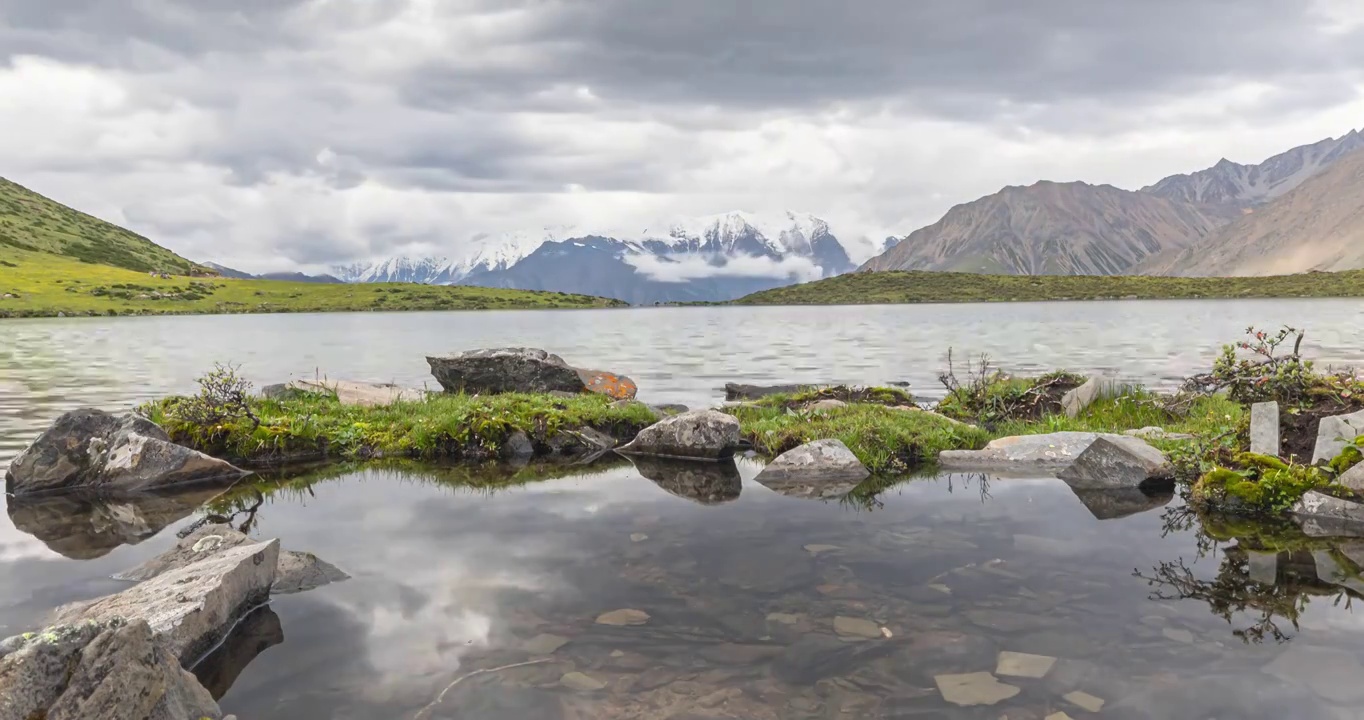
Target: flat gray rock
191	609
1117	463
694	435
1353	478
1318	505
1077	400
823	468
1264	428
505	370
1047	453
108	669
1334	433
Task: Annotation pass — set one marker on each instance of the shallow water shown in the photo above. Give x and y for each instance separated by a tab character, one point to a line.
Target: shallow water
743	587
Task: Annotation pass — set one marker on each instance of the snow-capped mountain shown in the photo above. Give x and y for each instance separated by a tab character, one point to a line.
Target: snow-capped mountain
1228	182
716	257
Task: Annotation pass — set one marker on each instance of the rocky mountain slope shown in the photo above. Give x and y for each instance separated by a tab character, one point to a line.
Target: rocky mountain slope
1051	229
227	272
1181	224
1317	226
710	258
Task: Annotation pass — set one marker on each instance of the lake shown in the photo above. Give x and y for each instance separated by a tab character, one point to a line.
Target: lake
475	597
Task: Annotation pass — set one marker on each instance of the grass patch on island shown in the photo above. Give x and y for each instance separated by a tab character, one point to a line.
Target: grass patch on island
43	285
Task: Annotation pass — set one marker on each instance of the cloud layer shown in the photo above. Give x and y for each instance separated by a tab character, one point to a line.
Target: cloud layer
278	135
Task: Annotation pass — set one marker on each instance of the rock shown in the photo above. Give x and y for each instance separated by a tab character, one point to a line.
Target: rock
828	404
736	391
1113	504
979	688
695	435
1333	572
1025	453
117	454
1334	433
191	609
638	537
1264	428
1335	675
1353	478
83	525
349	392
517	447
580	682
1318	505
295	572
667	410
1084	701
1179	635
544	644
704	483
822	469
1117	463
616	387
850	628
505	370
257	632
1075	401
107	669
623	618
1024	665
1156	433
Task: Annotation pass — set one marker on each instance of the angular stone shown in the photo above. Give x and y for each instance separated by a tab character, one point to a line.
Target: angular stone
505	370
1334	433
1047	453
1117	463
1264	428
695	435
622	618
1333	572
1353	479
1077	400
856	628
544	644
1085	701
1318	505
108	669
517	446
191	609
979	688
94	450
362	394
710	483
820	469
1015	664
580	682
601	382
302	571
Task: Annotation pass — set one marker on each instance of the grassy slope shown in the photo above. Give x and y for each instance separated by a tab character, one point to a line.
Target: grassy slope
47	284
930	287
29	221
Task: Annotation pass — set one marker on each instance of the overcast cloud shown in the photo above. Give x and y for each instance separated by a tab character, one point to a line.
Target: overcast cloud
294	134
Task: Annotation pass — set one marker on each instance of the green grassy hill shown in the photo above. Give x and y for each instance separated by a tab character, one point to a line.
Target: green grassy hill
29	221
871	288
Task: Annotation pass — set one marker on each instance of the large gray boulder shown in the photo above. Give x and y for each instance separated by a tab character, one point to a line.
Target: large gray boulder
112	668
1334	433
1326	507
523	370
94	450
1117	463
709	483
295	571
1048	453
820	469
694	435
191	609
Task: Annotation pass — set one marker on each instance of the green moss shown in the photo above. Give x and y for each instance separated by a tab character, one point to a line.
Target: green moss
1348	458
1262	485
883	438
888	396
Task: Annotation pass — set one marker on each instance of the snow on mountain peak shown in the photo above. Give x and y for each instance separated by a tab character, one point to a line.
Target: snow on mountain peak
785	232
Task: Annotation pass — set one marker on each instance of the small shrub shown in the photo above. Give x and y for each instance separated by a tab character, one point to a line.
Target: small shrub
223	396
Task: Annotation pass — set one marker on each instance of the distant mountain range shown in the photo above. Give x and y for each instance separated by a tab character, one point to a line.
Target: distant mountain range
228	272
1297	211
711	258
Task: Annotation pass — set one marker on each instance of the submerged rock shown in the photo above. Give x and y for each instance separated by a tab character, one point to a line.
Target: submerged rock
117	454
1319	505
1117	463
84	525
704	483
1048	453
1334	433
295	571
191	609
523	370
112	668
695	435
820	469
256	633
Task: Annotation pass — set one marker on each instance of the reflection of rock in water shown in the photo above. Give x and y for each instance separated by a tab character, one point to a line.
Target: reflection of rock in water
256	633
708	483
1113	504
85	527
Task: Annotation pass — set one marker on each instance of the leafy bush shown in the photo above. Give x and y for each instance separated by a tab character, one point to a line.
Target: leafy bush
223	396
992	396
1267	375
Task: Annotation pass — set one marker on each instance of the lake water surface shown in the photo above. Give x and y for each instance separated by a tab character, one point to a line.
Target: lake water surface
471	602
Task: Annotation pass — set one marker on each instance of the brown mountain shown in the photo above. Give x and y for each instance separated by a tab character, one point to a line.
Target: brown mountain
1053	229
1317	226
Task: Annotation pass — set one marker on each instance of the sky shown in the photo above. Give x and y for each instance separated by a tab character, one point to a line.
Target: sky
276	135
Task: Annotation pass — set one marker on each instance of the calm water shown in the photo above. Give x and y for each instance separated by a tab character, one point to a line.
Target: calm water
759	605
